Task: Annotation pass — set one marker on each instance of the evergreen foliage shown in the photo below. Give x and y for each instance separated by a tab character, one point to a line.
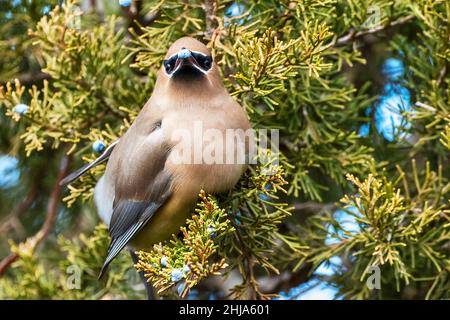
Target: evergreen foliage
309	68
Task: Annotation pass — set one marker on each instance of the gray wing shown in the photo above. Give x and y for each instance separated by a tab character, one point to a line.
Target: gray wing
129	216
78	173
142	186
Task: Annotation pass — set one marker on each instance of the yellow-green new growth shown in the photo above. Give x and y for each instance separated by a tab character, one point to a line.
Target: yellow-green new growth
194	252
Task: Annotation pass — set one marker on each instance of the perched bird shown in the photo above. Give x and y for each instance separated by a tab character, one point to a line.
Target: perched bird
147	190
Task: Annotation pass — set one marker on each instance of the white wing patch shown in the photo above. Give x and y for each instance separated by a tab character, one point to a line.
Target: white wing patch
104	197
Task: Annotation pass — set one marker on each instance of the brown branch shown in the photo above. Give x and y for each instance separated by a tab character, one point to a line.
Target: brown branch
30	78
93	5
353	35
136	19
52	212
442	74
7	262
23	206
287	280
314	207
443	71
52	207
210	8
249	278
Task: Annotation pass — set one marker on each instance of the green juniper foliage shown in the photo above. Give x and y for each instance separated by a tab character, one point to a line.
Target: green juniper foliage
83	256
189	255
72	74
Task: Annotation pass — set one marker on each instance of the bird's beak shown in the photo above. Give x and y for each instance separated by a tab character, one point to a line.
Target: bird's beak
186	59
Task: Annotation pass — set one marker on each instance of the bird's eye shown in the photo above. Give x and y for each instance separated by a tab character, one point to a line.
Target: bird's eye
207	62
204	61
167	66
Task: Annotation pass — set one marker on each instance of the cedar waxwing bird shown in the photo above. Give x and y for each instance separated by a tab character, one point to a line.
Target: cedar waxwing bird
153	175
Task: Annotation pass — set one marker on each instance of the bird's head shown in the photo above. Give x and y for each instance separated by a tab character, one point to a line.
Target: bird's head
188	71
188	58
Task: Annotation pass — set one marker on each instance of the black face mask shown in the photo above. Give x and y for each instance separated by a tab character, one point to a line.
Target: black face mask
202	61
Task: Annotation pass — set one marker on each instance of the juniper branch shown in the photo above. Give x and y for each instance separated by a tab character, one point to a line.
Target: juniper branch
52	210
354	35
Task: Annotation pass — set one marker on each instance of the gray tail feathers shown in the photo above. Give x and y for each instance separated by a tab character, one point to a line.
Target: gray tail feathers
108	260
114	249
104	269
133	216
117	244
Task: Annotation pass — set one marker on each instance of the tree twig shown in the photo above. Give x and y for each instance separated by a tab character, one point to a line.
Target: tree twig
210	7
248	277
52	212
20	208
135	17
7	262
353	35
314	207
30	78
442	74
286	280
52	207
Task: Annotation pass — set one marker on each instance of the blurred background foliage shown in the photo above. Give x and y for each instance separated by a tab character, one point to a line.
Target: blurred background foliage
359	90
